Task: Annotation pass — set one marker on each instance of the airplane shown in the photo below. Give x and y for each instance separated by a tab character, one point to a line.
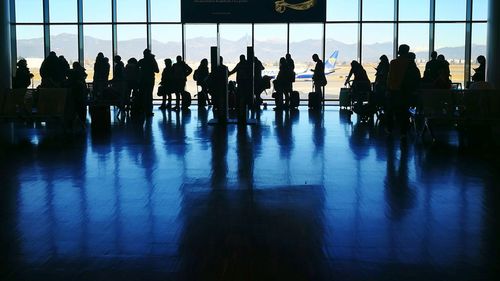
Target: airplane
307	74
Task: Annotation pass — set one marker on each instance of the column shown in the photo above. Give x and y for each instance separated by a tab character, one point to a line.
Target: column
493	56
5	54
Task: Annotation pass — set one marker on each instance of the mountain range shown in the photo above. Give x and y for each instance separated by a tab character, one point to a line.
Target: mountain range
198	48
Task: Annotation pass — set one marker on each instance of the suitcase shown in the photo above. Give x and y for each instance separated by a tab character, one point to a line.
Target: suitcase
294	99
314	100
202	99
345	98
186	99
100	117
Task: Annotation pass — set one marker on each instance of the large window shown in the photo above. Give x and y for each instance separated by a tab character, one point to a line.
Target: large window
305	40
30	47
342	10
97	39
343	39
450	39
29	11
165	10
377	41
64	41
96	11
63	11
479	36
131	40
416	35
199	39
270	43
414	10
355	30
131	10
378	10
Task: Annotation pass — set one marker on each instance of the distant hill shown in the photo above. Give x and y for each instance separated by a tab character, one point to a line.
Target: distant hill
198	48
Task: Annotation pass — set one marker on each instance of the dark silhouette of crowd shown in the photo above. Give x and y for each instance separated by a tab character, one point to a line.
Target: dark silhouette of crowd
391	94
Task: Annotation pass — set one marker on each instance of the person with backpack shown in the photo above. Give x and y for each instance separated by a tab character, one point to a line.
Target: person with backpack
201	76
180	72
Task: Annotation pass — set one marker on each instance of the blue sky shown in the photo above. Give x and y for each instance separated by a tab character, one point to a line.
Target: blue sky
342	10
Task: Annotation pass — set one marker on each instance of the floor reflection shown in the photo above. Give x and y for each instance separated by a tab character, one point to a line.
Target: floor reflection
302	196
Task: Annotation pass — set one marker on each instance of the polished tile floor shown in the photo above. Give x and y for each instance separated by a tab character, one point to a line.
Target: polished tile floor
301	196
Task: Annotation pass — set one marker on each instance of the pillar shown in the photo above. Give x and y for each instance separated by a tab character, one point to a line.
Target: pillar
5	54
493	55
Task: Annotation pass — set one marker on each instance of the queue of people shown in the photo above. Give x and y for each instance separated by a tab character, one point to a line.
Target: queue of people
394	83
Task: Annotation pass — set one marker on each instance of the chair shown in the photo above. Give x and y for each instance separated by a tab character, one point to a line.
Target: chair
52	103
438	107
14	105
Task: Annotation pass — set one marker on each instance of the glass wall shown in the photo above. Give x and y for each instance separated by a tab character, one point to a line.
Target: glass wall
90	8
198	40
357	30
343	39
270	43
64	41
450	38
30	47
97	39
416	35
305	40
377	41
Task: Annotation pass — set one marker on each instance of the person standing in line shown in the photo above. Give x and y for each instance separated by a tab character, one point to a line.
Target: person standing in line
181	71
23	75
147	69
398	97
319	81
201	76
166	85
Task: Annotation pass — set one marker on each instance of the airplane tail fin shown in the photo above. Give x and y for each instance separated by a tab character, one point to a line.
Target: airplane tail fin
331	61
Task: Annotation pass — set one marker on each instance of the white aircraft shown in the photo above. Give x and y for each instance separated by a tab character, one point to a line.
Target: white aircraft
307	74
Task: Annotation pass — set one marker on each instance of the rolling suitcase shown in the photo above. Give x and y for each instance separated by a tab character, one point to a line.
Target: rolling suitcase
314	100
345	98
186	99
294	99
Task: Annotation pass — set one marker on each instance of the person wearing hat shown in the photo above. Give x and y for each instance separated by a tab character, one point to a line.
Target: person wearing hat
398	99
22	80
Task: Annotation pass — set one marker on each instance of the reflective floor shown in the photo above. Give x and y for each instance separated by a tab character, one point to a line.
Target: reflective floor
301	196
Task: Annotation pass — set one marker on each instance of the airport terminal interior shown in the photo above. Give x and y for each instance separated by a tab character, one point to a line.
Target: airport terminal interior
261	191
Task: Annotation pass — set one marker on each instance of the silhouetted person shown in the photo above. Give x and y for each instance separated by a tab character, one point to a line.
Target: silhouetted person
147	69
480	72
291	68
132	78
62	70
23	75
48	71
412	79
181	72
258	81
201	78
381	80
398	91
319	78
101	73
167	81
443	80
283	84
360	84
431	72
217	83
290	72
118	82
76	81
243	72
